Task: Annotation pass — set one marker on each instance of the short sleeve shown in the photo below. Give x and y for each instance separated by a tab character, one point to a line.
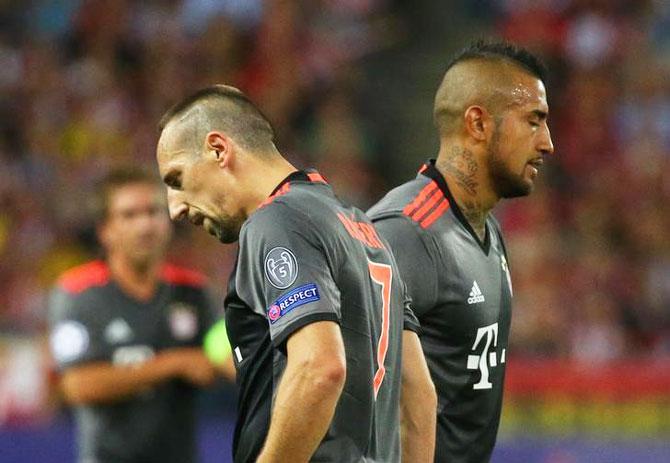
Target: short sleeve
284	271
417	267
410	322
74	337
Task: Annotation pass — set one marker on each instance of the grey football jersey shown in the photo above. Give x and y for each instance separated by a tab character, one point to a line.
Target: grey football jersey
462	295
93	320
305	257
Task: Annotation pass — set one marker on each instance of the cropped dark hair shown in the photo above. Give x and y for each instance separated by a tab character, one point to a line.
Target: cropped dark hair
229	109
487	50
114	180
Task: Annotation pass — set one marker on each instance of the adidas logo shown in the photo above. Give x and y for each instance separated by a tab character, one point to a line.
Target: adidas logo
475	294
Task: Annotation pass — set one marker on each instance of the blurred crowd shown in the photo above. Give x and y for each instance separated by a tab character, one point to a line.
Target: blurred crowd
83	83
592	247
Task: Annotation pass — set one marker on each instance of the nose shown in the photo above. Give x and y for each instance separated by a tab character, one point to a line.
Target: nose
546	145
176	207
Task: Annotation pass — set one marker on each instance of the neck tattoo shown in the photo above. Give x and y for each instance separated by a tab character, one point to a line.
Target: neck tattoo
461	167
475	216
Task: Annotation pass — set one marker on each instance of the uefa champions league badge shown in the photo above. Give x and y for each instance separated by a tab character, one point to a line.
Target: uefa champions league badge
281	267
183	321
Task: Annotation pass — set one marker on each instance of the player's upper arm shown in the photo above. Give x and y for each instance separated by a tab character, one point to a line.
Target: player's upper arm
417	266
319	347
285	271
410	322
415	371
418	403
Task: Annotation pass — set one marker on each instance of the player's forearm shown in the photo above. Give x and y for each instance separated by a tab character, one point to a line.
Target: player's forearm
304	407
107	383
418	435
418	404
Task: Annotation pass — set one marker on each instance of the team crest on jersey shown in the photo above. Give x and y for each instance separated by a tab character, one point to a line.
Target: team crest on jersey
281	267
118	331
183	321
295	298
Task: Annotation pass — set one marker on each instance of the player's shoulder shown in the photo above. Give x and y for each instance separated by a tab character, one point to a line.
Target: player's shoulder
397	199
417	205
305	197
177	275
94	274
290	209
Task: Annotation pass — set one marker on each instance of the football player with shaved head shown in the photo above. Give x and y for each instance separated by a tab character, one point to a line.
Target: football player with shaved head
323	338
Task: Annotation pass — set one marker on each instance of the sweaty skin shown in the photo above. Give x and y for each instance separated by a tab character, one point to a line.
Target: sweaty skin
491	117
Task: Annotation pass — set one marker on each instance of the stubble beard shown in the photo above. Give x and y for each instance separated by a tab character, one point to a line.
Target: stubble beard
227	230
506	184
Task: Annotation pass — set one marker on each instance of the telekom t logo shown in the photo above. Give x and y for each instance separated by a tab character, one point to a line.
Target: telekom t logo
487	359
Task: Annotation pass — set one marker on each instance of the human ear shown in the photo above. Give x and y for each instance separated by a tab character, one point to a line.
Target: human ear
220	145
476	121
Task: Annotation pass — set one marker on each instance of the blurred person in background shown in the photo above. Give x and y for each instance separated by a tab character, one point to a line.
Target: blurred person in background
316	312
491	114
127	333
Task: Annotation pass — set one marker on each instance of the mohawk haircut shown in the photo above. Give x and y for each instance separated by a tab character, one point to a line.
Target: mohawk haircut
483	84
485	49
224	108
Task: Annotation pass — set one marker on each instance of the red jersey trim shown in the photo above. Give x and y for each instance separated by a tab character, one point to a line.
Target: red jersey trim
316	177
282	191
83	277
436	214
420	198
182	276
428	206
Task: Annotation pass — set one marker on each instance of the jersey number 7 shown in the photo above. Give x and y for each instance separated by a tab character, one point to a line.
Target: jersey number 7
382	274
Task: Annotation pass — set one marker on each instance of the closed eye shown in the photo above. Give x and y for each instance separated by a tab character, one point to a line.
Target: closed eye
173	179
537	117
